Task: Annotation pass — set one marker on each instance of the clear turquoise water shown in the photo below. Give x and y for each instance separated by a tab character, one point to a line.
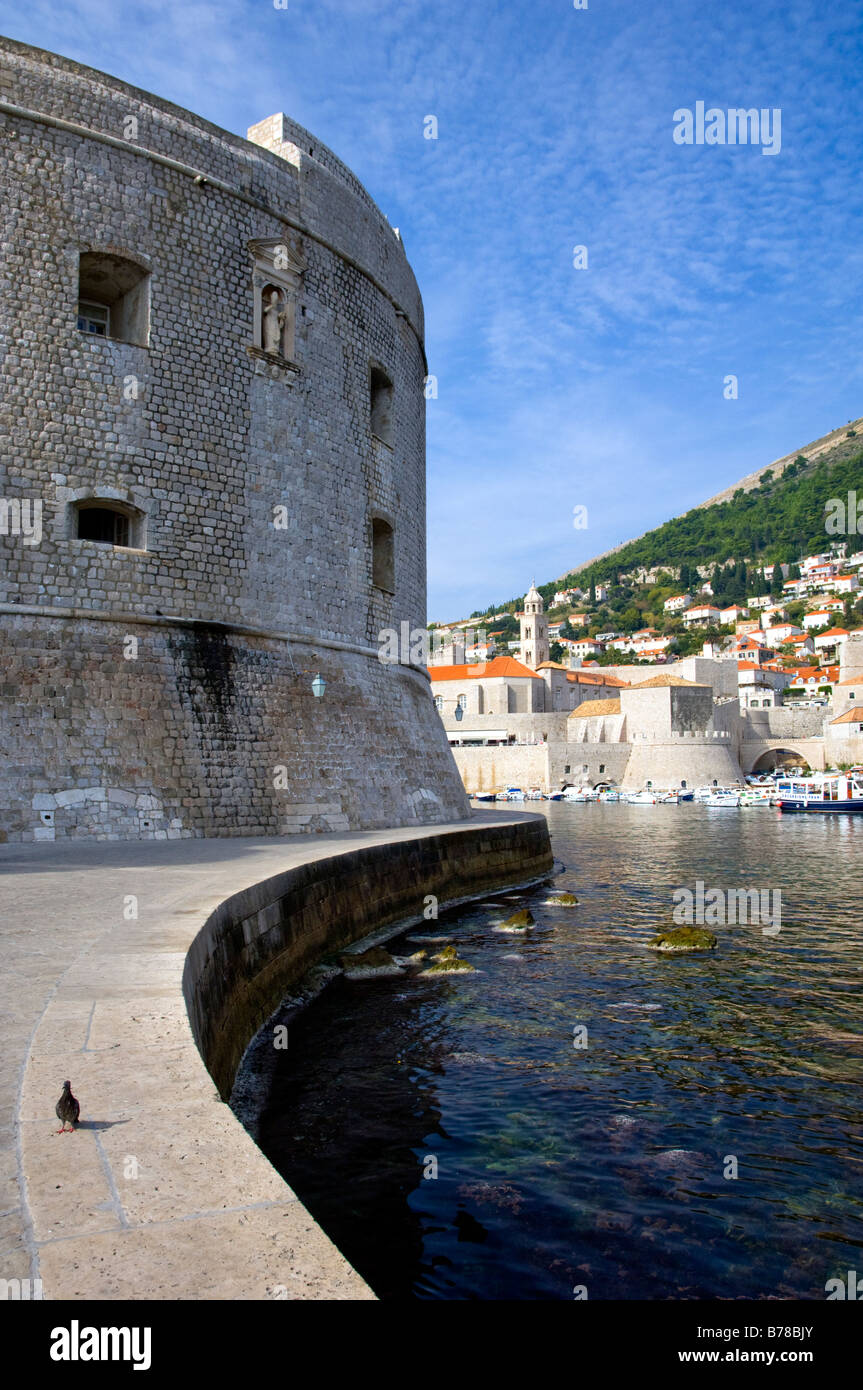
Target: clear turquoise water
602	1167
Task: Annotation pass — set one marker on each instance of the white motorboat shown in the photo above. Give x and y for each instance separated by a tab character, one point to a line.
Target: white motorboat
725	797
755	796
642	798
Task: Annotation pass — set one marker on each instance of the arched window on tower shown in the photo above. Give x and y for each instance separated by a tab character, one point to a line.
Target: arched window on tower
108	523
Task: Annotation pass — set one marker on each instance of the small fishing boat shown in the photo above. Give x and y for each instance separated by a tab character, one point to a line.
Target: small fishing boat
837	793
642	798
515	794
485	796
609	794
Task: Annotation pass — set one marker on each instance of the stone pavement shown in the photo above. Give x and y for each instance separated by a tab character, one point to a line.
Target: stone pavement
160	1181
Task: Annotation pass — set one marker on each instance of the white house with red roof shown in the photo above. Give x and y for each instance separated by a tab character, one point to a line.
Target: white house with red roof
705	613
828	644
845	584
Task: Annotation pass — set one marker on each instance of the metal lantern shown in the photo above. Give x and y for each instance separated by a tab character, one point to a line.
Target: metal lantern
319	685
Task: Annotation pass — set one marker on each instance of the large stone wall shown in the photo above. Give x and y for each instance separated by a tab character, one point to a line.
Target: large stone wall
492	769
202	436
693	762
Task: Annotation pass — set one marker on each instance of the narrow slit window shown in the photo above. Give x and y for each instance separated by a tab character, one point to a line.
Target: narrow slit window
382	407
383	556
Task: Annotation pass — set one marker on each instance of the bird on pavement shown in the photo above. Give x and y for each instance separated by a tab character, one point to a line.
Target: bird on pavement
67	1109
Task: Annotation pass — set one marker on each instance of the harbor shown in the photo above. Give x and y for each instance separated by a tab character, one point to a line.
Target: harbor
600	1166
839	793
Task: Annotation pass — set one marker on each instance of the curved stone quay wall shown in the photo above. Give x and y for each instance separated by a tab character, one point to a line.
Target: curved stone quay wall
213	478
260	942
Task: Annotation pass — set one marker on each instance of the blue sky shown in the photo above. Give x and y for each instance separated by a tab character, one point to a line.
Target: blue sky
561	387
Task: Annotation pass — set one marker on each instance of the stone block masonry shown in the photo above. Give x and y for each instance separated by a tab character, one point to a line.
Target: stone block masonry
211	497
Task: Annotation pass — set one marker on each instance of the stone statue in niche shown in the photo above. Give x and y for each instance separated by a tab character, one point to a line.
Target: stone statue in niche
273	319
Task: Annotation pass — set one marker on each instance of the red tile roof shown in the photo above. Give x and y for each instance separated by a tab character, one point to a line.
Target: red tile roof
499	666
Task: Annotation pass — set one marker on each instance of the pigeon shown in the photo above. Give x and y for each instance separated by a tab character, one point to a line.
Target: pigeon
67	1109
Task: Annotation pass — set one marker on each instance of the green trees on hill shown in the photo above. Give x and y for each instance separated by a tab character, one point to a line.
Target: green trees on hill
777	522
774	524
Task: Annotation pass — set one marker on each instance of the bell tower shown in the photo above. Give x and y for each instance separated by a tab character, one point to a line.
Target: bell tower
534	629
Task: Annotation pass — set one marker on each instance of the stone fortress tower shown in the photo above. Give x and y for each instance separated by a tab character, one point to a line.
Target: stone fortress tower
213	478
533	625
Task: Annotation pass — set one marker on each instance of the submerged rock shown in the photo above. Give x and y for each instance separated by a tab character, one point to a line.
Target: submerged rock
562	900
366	964
415	959
519	921
683	939
447	963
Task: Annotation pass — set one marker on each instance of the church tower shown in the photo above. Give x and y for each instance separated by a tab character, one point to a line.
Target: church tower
534	629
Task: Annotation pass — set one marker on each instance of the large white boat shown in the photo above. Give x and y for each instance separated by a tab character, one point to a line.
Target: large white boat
840	792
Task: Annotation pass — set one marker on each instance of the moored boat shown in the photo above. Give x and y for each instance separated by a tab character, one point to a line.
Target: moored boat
725	797
837	793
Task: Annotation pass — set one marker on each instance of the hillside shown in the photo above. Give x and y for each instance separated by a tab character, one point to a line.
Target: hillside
770	516
831	447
